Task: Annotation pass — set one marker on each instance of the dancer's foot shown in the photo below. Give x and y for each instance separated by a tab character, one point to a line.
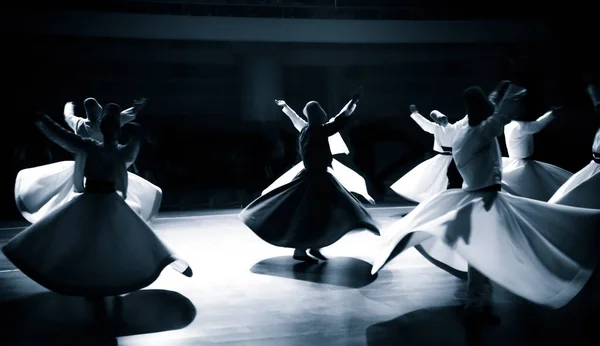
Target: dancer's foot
316	254
188	272
300	255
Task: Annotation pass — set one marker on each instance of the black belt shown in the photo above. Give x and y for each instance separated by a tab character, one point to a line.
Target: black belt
99	186
596	157
446	151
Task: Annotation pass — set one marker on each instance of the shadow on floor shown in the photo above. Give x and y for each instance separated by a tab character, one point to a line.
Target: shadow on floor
338	271
521	325
51	319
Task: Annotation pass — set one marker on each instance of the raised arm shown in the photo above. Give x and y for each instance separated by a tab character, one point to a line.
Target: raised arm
71	119
337	123
130	114
505	112
531	127
498	93
297	121
426	125
56	133
132	148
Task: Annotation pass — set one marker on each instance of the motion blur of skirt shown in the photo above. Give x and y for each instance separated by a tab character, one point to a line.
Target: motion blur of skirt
94	245
312	211
425	180
582	189
351	180
542	252
532	179
39	191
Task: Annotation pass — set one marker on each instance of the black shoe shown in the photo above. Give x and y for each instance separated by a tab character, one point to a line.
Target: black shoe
188	272
316	254
300	255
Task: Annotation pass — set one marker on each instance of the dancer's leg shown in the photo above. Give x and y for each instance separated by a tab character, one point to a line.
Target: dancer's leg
454	178
479	294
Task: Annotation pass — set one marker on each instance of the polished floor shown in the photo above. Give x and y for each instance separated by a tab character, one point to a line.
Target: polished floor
246	292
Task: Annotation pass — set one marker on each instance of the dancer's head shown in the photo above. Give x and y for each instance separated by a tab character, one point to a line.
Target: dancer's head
93	110
314	113
478	106
439	119
110	125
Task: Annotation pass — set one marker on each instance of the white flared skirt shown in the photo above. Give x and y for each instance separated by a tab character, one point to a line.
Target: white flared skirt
581	190
351	180
93	245
337	144
425	180
542	252
532	179
41	190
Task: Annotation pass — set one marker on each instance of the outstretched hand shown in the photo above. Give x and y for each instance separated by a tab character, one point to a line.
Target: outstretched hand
557	110
349	108
69	108
413	109
140	104
280	103
357	94
499	91
515	93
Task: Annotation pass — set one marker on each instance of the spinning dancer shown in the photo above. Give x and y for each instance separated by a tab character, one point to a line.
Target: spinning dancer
95	245
439	172
581	190
314	210
542	252
351	180
522	176
41	190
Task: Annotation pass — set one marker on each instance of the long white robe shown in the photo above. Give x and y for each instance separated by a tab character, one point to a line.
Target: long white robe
583	188
41	190
522	176
542	252
429	177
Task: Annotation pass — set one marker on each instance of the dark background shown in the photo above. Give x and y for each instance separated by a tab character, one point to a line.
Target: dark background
207	146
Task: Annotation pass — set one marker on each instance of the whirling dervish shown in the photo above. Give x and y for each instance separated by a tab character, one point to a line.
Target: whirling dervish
351	180
41	190
439	172
314	210
521	175
582	189
95	245
542	252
